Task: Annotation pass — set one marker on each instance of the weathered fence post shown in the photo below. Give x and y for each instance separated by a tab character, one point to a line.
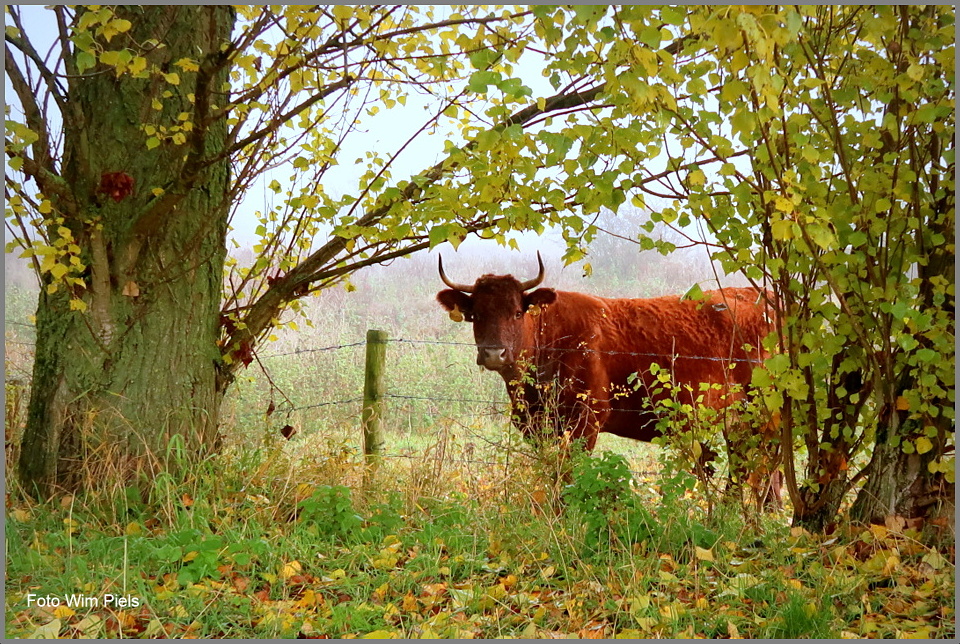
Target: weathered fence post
373	390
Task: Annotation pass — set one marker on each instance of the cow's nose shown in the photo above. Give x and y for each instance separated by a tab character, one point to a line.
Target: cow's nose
491	358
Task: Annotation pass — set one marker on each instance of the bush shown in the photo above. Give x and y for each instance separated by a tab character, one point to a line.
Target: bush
602	498
330	511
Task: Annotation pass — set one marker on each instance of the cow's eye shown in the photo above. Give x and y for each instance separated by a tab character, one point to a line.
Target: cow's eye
519	314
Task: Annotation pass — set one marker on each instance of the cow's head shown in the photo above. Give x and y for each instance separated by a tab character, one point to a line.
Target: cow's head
497	306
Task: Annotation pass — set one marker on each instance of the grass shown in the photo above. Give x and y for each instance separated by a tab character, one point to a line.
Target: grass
288	540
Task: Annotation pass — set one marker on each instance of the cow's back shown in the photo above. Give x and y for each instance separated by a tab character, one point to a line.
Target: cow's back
597	343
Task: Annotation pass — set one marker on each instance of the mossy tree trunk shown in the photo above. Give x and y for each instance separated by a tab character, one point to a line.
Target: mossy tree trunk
129	360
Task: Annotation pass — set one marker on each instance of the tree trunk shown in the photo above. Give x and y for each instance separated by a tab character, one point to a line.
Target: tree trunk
901	484
117	379
820	506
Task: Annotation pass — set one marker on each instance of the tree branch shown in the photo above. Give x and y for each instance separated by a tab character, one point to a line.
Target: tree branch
26	47
34	117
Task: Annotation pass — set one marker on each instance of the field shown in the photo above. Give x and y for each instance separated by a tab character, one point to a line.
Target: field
461	531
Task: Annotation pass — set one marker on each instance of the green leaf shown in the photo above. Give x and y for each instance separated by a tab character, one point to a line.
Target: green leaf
778	363
673	15
439	234
693	293
822	236
85	61
479	81
650	37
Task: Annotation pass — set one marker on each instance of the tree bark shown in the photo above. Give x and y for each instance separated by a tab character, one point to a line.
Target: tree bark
900	484
115	383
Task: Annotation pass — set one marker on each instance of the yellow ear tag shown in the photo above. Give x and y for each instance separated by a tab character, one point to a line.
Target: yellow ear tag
534	310
456	315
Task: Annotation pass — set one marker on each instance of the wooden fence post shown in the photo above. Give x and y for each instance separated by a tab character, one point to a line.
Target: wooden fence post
373	390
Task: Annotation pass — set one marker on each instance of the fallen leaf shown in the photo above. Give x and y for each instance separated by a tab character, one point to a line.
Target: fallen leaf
733	631
409	603
290	569
593	631
49	631
703	554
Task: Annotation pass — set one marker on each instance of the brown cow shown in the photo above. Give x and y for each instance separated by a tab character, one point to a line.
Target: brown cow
576	353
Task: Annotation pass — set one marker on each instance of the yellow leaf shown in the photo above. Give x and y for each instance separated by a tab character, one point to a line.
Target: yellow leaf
138	64
173	78
891	565
923	445
63	612
130	289
342	11
391	611
90	625
783	204
58	270
309	599
290	569
78	305
187	65
49	631
703	554
902	403
733	631
190	556
133	529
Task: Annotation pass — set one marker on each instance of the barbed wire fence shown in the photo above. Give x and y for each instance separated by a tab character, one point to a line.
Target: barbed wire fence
299	391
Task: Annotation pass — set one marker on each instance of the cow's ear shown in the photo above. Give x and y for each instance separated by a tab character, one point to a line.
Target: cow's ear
457	303
539	297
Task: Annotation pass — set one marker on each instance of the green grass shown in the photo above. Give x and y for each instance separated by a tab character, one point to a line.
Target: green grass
278	542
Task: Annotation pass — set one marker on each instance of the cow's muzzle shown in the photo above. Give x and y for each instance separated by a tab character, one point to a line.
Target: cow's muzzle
494	358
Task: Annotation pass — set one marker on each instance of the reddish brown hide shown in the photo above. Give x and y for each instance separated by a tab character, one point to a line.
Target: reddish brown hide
581	351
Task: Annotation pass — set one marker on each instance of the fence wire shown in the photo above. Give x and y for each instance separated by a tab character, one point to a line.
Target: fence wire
446	343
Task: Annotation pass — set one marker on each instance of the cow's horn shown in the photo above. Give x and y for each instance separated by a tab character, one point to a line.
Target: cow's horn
529	284
463	288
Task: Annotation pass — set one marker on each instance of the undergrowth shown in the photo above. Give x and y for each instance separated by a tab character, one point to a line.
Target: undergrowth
278	542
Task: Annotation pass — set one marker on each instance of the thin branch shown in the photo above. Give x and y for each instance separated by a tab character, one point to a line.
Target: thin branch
26	47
